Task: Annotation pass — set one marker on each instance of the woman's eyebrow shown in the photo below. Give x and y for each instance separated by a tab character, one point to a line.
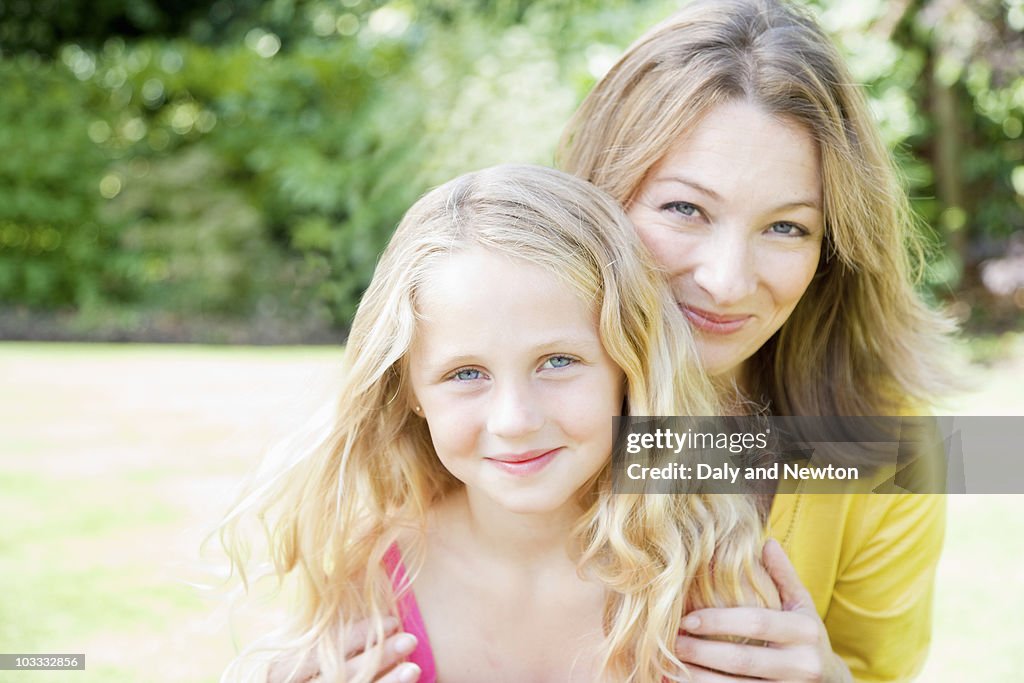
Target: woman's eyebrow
798	203
808	203
689	183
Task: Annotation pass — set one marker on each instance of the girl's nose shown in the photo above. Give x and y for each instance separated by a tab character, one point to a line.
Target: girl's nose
514	411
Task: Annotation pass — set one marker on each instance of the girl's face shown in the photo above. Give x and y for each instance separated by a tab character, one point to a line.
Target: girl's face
513	380
734	213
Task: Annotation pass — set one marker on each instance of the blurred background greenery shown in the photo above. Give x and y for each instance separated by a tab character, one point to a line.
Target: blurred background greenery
228	171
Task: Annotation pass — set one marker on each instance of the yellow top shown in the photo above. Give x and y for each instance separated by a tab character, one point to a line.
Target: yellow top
868	560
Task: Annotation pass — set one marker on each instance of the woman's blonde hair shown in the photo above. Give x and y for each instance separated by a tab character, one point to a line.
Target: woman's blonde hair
332	513
861	341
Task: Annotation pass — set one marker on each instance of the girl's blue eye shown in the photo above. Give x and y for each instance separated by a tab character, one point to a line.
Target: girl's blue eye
466	374
788	229
558	362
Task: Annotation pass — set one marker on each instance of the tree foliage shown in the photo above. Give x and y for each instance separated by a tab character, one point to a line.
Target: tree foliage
250	157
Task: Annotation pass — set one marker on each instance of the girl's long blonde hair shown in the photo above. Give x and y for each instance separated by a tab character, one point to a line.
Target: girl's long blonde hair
333	512
861	341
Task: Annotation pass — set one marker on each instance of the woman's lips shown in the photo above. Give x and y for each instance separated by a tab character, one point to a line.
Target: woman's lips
707	321
524	463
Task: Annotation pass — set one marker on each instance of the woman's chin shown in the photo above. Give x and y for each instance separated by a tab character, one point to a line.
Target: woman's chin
724	370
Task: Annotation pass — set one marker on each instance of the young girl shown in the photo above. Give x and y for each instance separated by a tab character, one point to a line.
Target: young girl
465	488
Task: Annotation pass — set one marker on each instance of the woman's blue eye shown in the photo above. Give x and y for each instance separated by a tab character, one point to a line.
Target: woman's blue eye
558	362
466	374
789	229
682	208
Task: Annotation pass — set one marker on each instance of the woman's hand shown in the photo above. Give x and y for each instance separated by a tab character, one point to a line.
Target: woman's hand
397	646
797	649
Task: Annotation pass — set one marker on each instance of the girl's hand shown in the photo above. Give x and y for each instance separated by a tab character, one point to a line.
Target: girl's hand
397	646
797	647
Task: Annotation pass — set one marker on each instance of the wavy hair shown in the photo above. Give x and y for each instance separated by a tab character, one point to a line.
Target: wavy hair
860	324
332	512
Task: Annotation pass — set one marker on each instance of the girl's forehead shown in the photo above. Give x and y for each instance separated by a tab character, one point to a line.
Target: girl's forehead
478	287
503	314
472	265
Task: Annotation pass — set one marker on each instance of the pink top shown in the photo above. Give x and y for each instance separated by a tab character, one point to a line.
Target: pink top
409	613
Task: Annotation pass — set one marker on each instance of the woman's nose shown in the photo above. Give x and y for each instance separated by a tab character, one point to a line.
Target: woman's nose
514	411
725	269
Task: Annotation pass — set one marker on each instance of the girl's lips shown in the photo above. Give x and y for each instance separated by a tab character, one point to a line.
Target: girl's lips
524	463
715	324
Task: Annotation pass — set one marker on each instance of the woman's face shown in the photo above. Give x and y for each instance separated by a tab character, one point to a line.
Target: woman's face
733	211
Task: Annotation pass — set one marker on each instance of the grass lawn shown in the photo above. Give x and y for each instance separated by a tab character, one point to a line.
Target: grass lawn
115	461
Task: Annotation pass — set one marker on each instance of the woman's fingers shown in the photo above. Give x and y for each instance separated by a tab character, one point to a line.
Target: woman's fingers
747	662
792	592
396	648
355	639
756	623
701	675
798	643
403	673
293	670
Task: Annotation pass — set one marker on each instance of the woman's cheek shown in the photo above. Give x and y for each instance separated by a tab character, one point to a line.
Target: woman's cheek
674	250
790	274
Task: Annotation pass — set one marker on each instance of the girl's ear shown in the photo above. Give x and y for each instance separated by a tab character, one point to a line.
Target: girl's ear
414	405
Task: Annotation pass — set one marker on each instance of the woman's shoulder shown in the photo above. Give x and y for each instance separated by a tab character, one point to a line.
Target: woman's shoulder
856	517
836	537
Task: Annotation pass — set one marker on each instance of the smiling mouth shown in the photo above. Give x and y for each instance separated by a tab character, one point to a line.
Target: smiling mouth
525	463
713	323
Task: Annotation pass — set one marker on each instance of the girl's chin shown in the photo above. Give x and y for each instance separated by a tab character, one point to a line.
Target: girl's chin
532	504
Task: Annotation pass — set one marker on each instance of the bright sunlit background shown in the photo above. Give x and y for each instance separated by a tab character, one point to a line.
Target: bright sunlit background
227	172
117	460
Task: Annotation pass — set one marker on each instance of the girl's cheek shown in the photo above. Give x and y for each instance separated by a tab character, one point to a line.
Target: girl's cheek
455	435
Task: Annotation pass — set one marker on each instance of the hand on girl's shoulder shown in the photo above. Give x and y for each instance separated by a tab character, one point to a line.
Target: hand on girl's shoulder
397	646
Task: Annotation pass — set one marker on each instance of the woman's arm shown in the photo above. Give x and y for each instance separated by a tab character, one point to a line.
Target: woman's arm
880	615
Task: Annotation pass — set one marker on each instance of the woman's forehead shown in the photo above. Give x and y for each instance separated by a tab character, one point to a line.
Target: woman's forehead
738	150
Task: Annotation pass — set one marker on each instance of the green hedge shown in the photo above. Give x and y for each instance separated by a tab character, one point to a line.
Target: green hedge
255	164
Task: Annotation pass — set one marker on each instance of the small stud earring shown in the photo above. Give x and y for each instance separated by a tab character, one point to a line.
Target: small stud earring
417	409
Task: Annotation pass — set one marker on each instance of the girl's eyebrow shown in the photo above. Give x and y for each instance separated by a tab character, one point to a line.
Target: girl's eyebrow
461	357
569	341
693	184
448	361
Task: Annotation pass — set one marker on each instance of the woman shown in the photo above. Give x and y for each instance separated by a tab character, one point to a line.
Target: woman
750	165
